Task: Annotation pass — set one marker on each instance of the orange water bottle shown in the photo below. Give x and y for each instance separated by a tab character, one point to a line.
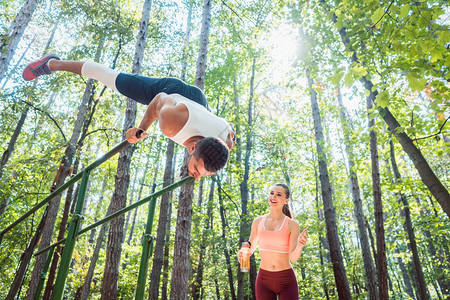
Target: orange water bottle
245	261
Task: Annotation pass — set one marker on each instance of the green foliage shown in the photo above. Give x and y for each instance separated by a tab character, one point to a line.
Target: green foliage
401	47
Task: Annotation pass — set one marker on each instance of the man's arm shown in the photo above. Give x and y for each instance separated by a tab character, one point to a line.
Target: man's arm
172	118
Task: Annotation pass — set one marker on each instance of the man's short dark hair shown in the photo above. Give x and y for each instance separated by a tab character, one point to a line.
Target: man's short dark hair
213	152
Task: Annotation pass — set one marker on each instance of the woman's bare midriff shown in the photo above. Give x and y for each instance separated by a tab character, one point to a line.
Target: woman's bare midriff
274	261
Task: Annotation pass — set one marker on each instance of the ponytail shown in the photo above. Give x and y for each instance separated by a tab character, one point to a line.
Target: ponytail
287	211
287	207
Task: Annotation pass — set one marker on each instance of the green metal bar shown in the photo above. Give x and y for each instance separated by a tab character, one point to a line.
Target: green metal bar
77	177
66	258
37	294
124	210
147	249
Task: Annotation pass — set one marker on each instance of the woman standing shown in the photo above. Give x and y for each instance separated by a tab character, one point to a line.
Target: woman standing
279	244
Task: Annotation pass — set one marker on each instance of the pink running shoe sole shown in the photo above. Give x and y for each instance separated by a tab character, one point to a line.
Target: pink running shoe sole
39	67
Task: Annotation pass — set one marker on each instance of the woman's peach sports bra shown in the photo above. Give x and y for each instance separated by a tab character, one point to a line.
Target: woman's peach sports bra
274	240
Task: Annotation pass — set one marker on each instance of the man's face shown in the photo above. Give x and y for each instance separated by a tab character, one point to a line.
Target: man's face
196	168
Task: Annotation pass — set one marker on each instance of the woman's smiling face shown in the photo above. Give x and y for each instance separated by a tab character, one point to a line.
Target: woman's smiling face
277	196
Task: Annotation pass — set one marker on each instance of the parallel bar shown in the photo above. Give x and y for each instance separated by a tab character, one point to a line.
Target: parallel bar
74	179
147	249
125	209
66	257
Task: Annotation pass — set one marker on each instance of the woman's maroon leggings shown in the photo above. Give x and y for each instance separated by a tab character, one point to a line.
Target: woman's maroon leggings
282	283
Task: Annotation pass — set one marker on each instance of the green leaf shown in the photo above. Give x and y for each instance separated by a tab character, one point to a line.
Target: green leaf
404	10
444	37
383	99
359	71
336	79
348	79
435	56
377	14
415	83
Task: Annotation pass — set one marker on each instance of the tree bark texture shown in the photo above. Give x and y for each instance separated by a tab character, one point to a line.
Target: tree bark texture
245	227
9	43
330	213
378	207
225	243
115	237
203	49
198	281
358	209
84	290
180	269
421	285
25	259
164	208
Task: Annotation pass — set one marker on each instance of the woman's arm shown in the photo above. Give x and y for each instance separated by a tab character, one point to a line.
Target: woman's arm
253	238
296	242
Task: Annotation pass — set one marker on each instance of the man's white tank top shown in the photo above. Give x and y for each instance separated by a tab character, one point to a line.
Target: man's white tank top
201	122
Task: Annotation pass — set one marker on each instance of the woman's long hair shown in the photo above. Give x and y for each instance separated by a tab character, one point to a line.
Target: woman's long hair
287	207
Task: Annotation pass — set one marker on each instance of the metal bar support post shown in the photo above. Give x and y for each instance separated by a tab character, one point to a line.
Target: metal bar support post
147	249
66	258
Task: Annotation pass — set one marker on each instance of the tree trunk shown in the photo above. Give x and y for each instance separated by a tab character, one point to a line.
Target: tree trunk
133	189
167	244
12	142
422	288
225	243
245	227
180	268
164	208
8	43
340	275
180	271
378	208
133	222
197	284
323	242
437	258
358	209
25	259
83	292
115	237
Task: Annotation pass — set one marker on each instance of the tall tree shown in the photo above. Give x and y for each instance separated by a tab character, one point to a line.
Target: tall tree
421	285
244	231
225	243
197	283
9	42
180	272
359	214
378	207
340	275
115	237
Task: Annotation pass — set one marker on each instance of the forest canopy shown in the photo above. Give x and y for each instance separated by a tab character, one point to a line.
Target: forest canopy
347	102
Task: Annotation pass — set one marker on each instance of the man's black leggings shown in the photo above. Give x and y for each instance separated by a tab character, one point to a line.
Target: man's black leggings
143	89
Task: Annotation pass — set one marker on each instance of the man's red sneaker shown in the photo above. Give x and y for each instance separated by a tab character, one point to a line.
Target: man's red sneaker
38	67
